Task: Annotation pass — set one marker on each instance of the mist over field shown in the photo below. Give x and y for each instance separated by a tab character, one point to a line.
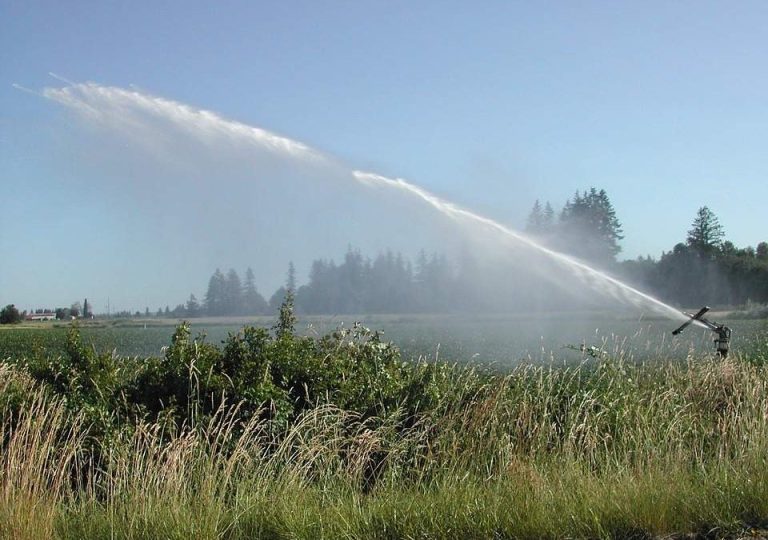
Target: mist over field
204	191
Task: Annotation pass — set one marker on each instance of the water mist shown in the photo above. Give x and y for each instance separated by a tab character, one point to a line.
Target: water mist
123	110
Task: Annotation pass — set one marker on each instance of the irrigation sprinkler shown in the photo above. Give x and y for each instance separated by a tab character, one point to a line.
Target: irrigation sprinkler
723	339
588	350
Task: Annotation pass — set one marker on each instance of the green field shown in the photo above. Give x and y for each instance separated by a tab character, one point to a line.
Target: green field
499	339
277	435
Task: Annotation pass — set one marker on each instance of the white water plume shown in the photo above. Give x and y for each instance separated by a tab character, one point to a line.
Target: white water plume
115	107
122	110
594	278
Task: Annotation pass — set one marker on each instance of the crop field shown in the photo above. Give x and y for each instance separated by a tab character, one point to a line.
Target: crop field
503	340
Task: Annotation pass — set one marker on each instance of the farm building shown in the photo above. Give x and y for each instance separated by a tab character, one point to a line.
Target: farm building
41	316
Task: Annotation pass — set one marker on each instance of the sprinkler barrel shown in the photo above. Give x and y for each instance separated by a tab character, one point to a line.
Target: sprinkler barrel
723	339
697	317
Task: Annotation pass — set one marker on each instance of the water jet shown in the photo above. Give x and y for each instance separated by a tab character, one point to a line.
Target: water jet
132	113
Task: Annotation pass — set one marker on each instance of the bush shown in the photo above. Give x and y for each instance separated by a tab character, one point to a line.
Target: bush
10	315
274	376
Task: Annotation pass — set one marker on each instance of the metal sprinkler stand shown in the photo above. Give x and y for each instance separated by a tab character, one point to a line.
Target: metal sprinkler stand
723	339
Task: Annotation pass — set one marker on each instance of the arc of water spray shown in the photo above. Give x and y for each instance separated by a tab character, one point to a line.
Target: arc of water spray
111	105
453	211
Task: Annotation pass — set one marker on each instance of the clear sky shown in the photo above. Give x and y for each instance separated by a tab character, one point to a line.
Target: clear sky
488	104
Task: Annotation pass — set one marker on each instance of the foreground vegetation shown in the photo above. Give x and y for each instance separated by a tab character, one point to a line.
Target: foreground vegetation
278	436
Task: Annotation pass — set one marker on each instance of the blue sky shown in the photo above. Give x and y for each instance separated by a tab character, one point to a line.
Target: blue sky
488	104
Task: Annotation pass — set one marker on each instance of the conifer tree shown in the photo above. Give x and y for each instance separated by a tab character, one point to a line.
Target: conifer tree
706	234
193	306
548	218
535	223
214	298
290	282
589	227
253	302
278	299
233	293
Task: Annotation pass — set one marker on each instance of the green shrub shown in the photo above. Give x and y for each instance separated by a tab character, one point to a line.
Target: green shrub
274	376
10	315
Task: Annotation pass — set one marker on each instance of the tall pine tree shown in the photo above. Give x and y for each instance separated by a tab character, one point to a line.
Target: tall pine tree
706	234
215	296
233	294
589	227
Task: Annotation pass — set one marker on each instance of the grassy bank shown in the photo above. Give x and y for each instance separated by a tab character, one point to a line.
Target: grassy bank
274	436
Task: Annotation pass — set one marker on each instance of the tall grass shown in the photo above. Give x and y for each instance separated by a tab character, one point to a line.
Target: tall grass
40	449
603	449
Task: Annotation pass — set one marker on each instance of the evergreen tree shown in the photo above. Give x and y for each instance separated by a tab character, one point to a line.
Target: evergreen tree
605	222
87	309
318	295
589	227
253	302
286	320
192	307
215	297
352	275
277	299
548	218
706	234
233	294
290	282
541	221
535	223
383	282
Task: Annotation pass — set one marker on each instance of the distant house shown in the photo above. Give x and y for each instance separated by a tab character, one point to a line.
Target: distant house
42	316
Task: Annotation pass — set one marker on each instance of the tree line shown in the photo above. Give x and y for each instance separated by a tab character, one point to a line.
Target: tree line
10	314
390	283
705	268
